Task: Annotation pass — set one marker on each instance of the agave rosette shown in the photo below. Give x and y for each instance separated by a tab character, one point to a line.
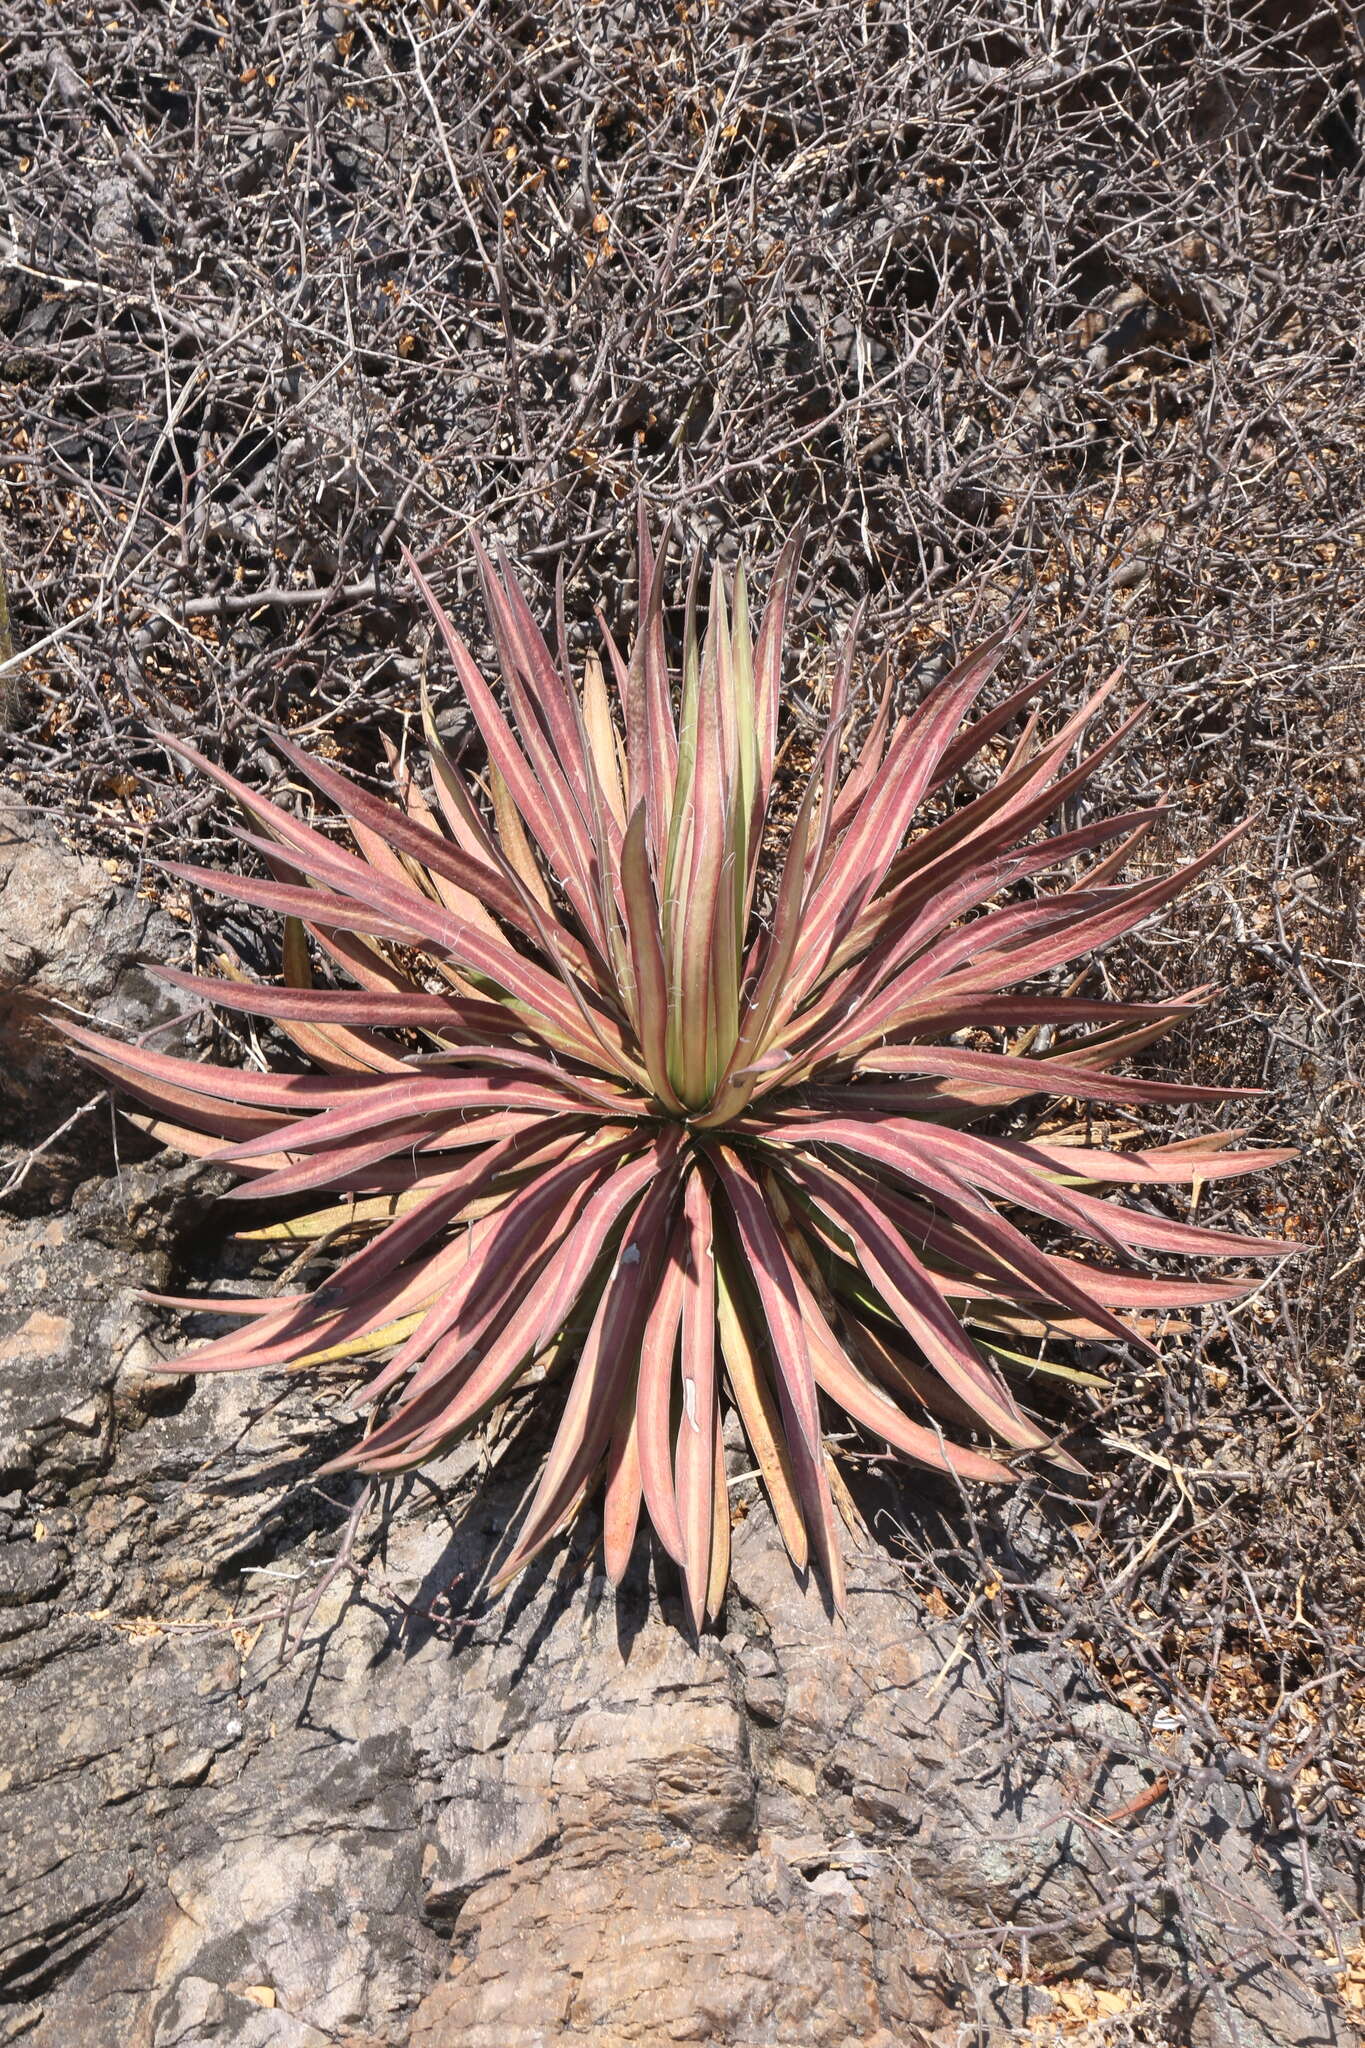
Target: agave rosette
637	1084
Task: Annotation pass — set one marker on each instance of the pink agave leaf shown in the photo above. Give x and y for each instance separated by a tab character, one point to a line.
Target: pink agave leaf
336	1048
1128	1287
992	1164
1012	945
747	1379
923	906
989	1259
529	1150
1027	797
480	881
1155	1233
981	730
945	1015
776	955
980	1232
550	719
338	1166
494	1339
194	1144
850	793
499	1254
883	1353
501	844
313	906
900	927
834	723
1030	790
551	817
423	1097
227	1122
845	1020
901	1281
806	1227
654	1394
937	1155
547	695
1021	1077
605	1366
771	1270
1098	1051
869	846
415	805
651	735
442	1279
471	1023
695	1469
641	912
1155	1166
698	940
246	1305
300	839
239	1085
624	1495
383	1178
282	826
768	675
297	1327
1122	910
366	965
837	1376
1104	873
559	1017
472	947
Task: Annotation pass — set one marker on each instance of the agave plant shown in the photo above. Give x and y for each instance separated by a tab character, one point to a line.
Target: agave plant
658	1070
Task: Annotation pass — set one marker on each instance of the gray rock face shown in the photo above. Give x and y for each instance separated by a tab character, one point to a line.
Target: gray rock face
561	1821
69	935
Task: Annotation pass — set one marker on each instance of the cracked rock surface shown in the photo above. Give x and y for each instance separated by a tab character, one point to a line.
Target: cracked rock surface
564	1822
72	939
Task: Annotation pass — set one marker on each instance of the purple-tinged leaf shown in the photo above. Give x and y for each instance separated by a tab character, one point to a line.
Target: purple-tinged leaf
550	825
654	1395
870	844
758	1411
768	673
605	1367
647	958
694	1476
624	1495
1154	1166
770	1268
900	1279
1021	1077
774	1280
500	1254
394	1010
975	736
